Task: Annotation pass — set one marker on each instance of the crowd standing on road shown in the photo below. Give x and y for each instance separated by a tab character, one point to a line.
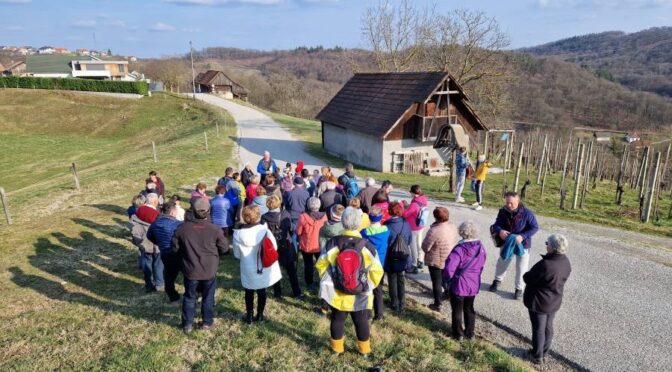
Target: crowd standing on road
352	238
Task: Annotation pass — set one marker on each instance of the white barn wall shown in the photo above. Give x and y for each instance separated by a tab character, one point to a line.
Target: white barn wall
357	148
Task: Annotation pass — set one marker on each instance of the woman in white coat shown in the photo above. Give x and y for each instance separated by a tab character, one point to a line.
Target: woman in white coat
246	244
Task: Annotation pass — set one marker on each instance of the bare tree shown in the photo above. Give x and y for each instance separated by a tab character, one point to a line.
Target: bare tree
394	34
469	45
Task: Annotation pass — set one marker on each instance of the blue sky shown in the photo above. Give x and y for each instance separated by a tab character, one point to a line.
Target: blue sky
153	28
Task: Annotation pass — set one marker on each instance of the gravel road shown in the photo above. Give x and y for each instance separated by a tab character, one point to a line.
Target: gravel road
617	309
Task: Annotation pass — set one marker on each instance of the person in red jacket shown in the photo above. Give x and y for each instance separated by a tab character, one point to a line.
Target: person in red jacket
149	212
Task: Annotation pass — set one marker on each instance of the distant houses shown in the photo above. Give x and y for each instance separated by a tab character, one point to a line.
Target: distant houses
217	82
14	69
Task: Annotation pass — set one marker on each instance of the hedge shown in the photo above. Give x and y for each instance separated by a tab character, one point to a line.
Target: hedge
110	86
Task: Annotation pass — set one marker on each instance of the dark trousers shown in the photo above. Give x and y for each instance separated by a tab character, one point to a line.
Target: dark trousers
152	268
396	282
207	290
479	192
227	235
436	275
309	260
172	265
360	318
542	333
378	299
249	301
290	268
463	305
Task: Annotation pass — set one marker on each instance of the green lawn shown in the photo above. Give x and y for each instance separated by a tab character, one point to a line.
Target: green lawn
599	207
73	296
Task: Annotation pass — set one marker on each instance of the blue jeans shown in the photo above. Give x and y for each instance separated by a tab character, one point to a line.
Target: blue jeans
152	267
207	289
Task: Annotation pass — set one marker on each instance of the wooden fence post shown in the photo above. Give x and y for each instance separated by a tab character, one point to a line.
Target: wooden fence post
663	174
5	205
485	148
577	179
205	134
154	152
518	163
541	161
563	189
652	189
74	173
587	169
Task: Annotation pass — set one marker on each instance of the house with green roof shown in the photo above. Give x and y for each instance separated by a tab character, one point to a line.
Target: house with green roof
68	66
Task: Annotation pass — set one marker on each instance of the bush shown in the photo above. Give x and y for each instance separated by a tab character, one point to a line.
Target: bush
109	86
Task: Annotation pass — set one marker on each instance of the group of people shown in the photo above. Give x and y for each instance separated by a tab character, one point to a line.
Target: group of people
352	237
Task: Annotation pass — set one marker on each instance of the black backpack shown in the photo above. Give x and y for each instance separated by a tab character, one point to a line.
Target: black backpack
399	249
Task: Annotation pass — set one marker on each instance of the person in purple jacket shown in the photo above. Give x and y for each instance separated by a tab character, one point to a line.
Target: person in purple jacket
514	219
463	269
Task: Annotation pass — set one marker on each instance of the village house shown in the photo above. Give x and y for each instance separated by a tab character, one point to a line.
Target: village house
399	122
17	68
217	82
86	67
602	136
45	50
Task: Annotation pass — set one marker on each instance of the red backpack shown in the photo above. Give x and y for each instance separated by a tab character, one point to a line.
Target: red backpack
350	274
267	255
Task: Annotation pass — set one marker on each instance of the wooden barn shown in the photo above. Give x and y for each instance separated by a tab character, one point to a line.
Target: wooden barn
407	122
217	82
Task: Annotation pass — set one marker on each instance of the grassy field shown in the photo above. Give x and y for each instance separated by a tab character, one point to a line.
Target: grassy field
73	296
599	207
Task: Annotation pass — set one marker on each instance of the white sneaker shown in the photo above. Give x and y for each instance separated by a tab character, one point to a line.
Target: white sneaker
478	208
475	204
461	200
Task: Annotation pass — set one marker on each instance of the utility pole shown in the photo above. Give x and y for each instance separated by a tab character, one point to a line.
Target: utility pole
193	75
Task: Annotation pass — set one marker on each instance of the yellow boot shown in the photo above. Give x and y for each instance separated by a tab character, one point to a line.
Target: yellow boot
364	347
338	346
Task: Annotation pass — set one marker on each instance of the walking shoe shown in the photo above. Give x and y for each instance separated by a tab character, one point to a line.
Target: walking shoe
461	200
299	296
494	286
420	265
534	360
187	329
518	294
207	327
478	208
247	319
259	318
435	307
475	204
378	318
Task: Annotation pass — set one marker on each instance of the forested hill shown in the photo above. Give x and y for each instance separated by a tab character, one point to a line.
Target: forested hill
640	60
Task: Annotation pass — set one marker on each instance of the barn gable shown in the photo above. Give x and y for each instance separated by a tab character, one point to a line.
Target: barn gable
215	78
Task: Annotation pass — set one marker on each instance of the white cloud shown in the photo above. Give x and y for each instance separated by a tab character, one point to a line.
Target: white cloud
225	2
601	4
160	26
15	1
84	23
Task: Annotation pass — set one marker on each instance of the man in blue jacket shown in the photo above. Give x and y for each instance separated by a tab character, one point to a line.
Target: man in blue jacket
161	233
266	166
222	210
514	218
461	162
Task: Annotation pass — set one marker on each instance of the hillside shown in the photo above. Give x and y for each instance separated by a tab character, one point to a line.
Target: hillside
546	90
73	296
640	60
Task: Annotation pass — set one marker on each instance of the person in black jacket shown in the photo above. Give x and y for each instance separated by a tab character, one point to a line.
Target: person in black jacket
199	243
543	294
280	224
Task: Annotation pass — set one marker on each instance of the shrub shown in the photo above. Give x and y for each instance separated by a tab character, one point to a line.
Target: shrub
110	86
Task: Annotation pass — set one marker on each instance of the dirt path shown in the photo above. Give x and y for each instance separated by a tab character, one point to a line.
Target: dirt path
617	310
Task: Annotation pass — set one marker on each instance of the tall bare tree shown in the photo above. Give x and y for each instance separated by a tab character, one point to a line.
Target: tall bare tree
394	34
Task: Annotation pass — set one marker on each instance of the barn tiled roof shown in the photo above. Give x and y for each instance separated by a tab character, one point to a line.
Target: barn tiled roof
372	103
206	77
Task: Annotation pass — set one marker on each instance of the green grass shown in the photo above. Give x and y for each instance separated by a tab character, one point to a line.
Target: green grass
599	207
73	296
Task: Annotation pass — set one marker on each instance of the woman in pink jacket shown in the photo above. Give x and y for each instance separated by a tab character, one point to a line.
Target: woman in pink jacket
417	232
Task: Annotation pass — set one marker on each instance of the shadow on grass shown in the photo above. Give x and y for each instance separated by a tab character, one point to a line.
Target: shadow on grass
118	231
93	272
109	208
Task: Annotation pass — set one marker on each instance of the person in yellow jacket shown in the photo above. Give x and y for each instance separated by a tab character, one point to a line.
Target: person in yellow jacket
358	306
481	174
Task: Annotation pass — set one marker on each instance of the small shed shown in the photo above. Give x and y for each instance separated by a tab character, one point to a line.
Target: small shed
217	82
602	136
399	122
